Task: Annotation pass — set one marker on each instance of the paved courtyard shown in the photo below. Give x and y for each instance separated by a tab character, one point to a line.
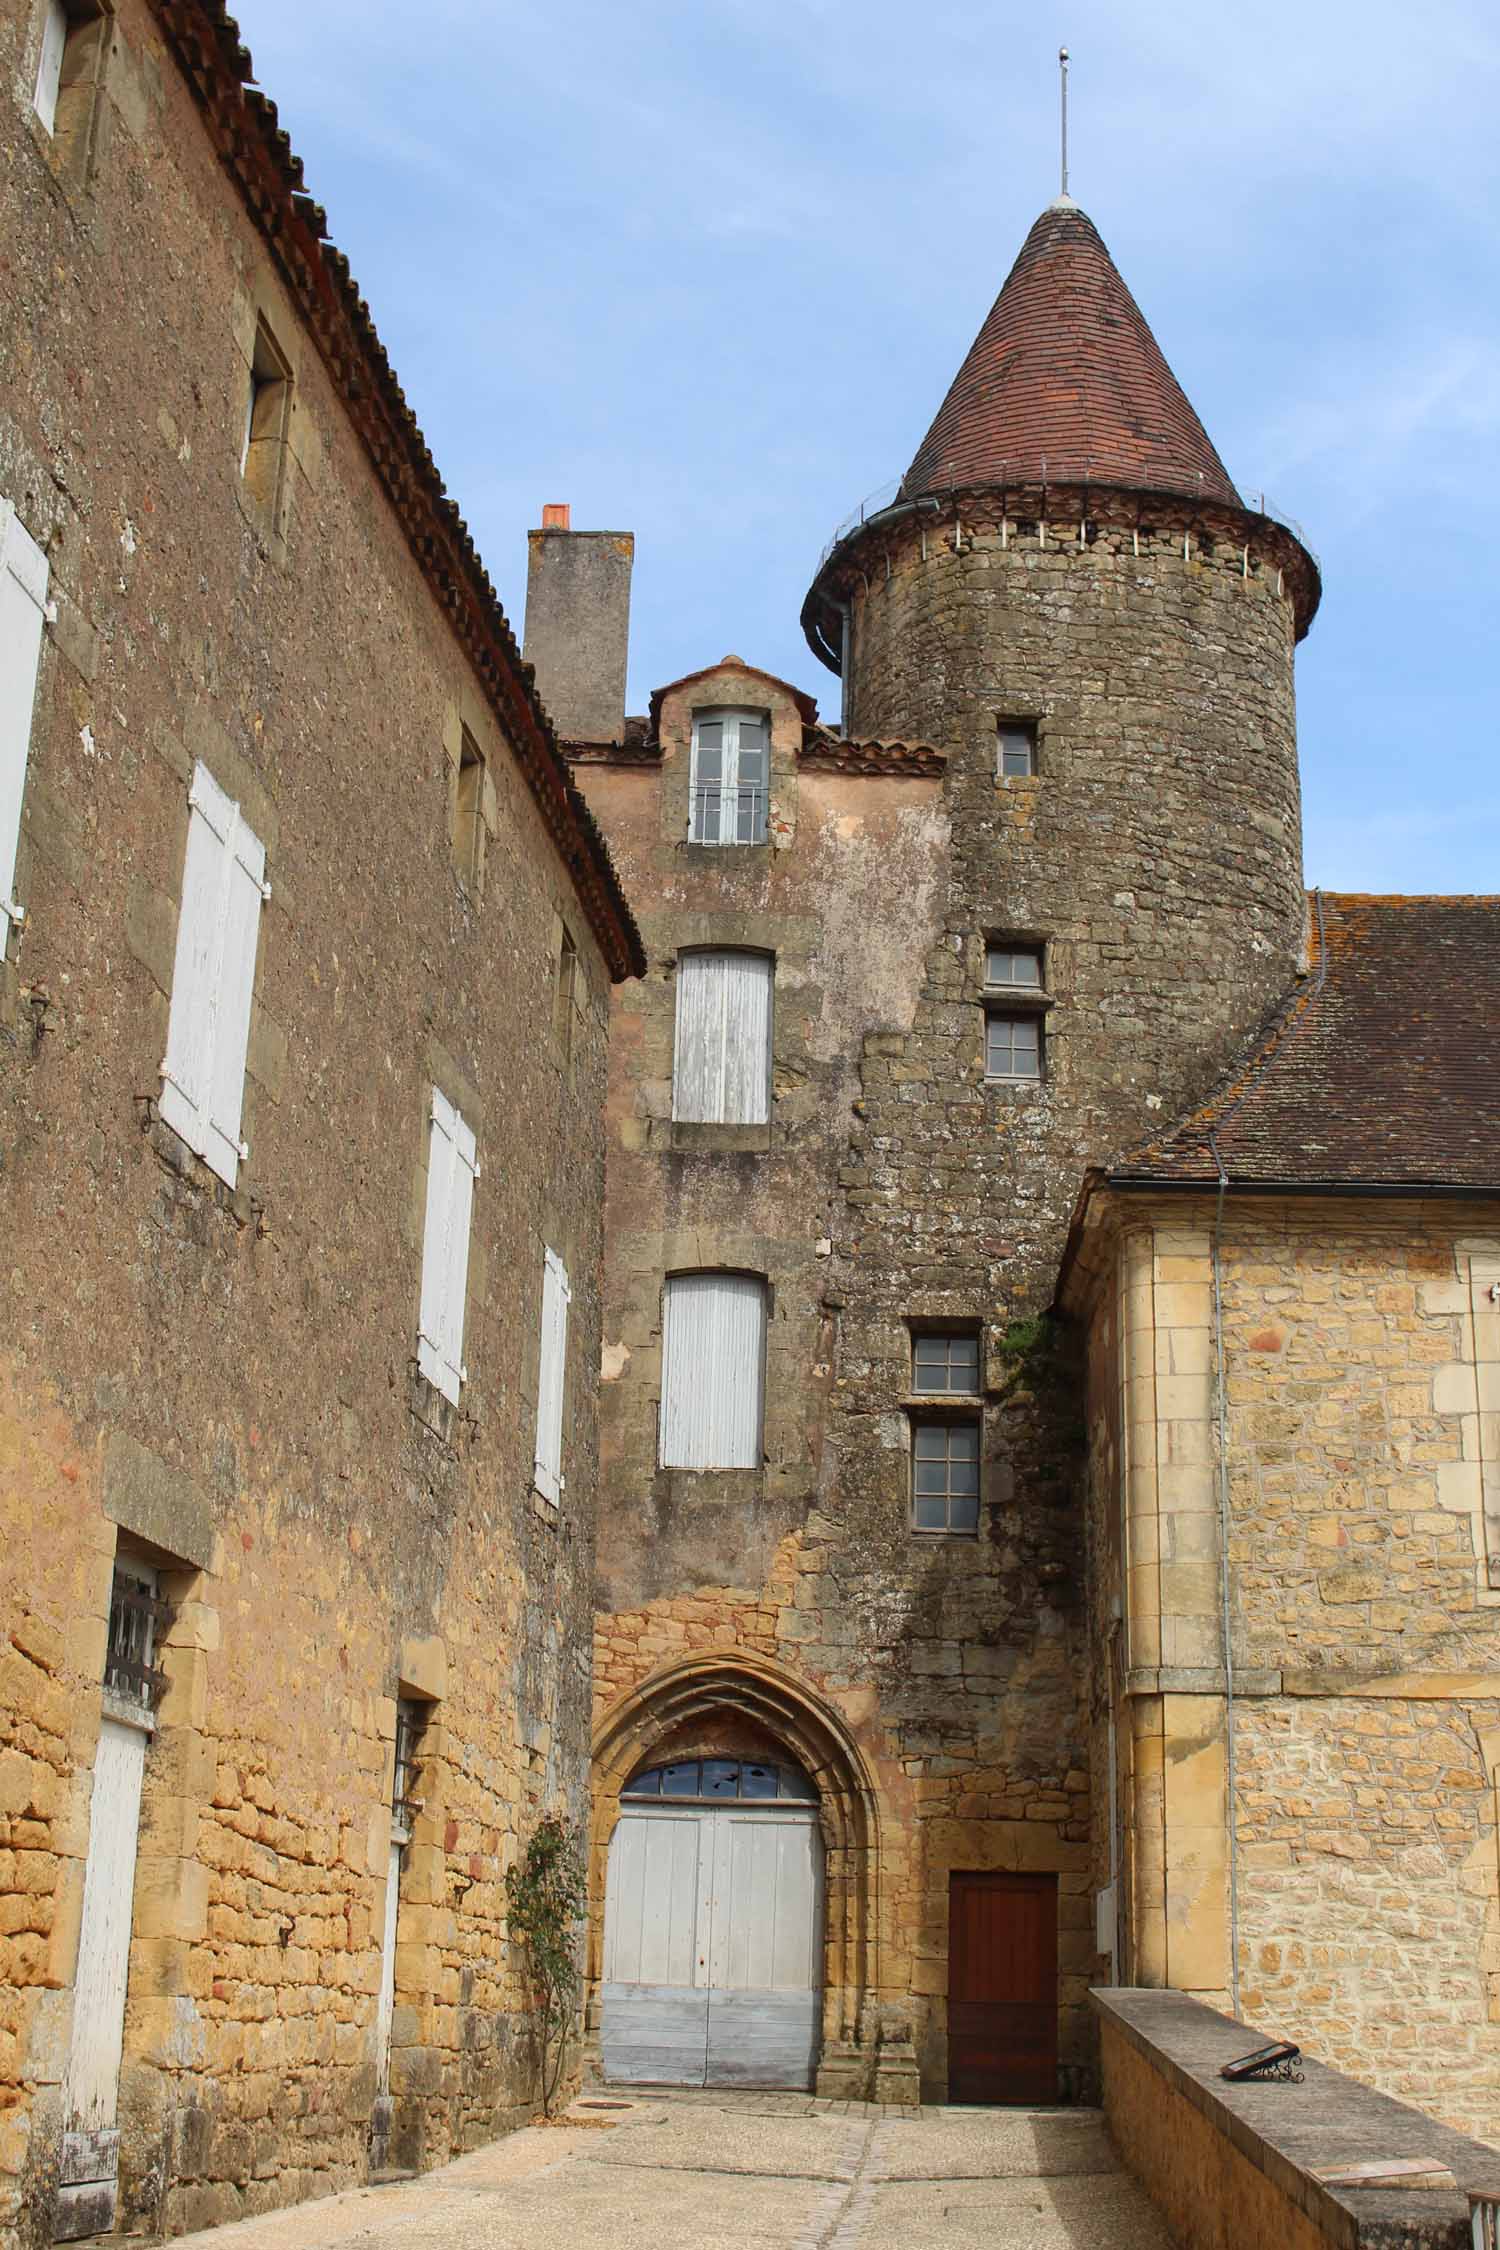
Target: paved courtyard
747	2172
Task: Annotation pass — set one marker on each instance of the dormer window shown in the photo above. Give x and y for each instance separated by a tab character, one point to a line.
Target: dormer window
730	777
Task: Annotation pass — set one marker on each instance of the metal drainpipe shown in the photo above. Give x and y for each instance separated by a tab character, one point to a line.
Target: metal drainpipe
1221	1402
846	637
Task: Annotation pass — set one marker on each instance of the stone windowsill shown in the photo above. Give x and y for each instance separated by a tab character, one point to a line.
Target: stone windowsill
721	1140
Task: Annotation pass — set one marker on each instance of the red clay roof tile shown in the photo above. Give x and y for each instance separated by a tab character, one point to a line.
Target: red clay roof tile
1066	384
1381	1068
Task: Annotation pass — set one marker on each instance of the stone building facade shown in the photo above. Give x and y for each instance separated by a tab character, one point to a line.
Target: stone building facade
1039	896
307	957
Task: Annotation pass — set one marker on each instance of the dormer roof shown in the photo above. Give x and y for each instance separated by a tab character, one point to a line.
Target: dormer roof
1065	384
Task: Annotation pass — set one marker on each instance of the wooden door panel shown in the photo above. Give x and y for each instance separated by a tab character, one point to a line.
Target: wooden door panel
1002	1988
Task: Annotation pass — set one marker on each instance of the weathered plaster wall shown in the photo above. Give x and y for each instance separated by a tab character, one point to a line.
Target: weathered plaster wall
225	1382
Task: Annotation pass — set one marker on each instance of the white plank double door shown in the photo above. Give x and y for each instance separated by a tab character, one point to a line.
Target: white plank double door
711	1929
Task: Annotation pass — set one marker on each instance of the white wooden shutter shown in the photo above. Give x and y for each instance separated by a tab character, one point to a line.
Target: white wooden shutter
23	606
452	1169
713	1370
721	1071
49	69
552	1377
213	977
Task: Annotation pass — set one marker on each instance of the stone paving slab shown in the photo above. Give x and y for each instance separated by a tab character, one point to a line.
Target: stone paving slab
735	2141
993	2144
727	2172
1093	2214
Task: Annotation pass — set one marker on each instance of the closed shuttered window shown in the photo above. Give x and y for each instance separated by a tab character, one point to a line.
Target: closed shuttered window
23	599
213	978
721	1070
452	1169
713	1370
552	1378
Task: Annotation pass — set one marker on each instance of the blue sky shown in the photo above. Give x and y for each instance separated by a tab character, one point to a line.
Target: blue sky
704	269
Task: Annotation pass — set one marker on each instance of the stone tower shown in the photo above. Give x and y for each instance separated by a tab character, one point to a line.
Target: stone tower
1031	900
1066	551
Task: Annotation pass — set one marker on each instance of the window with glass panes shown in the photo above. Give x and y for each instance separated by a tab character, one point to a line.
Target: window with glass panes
945	1476
945	1364
1016	758
1013	968
731	777
1012	1047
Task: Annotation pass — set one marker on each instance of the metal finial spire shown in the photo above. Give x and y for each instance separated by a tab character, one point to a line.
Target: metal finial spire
1062	65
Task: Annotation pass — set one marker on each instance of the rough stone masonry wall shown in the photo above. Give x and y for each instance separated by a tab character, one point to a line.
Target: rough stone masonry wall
224	1383
1370	1885
1367	1665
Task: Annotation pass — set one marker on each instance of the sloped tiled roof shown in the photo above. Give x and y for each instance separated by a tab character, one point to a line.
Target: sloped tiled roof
243	126
1066	384
1381	1069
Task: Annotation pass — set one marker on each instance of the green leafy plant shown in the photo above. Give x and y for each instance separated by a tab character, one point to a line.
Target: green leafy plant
546	1893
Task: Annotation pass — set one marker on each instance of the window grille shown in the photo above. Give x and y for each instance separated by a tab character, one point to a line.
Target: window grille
945	1476
135	1618
945	1364
713	1779
411	1722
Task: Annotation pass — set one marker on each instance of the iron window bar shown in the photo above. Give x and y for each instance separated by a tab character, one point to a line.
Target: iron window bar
745	802
411	1725
136	1616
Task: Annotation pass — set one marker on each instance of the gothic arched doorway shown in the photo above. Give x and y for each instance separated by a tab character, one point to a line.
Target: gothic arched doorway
712	1926
732	1881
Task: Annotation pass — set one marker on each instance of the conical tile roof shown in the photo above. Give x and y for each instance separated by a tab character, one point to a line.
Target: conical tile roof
1066	382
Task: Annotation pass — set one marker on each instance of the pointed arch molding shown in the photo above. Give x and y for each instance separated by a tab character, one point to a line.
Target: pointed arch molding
740	1686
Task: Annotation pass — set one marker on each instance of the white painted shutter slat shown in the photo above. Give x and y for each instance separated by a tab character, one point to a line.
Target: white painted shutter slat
244	871
713	1357
552	1377
451	1172
747	1038
23	602
49	69
213	978
697	1061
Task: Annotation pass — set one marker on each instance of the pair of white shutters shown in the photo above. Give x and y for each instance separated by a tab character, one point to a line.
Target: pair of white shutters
722	1056
713	1371
452	1169
213	977
23	610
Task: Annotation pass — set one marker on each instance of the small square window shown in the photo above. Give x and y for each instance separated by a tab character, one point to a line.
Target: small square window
1016	758
470	831
1012	969
945	1364
1012	1047
945	1476
267	417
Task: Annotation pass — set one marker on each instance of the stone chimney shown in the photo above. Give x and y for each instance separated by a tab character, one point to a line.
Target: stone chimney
578	624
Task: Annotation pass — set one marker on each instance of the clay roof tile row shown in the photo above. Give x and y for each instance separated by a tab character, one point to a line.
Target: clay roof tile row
1382	1068
1066	384
243	125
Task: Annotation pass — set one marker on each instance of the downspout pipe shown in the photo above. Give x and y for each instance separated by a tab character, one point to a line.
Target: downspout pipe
1221	1406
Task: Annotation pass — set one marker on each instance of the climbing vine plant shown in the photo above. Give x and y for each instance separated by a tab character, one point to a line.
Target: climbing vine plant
546	1892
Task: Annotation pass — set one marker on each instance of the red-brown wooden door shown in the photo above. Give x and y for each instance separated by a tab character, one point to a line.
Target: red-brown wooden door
1002	1988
